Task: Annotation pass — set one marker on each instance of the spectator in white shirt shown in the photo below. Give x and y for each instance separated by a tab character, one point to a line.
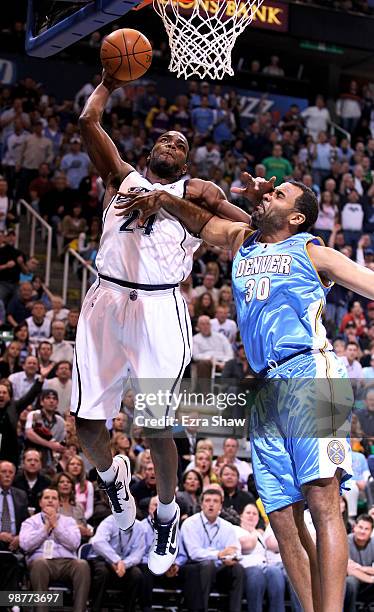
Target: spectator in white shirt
321	153
206	157
209	348
212	547
349	108
62	384
352	218
23	381
350	360
57	312
62	350
223	325
38	325
327	216
317	118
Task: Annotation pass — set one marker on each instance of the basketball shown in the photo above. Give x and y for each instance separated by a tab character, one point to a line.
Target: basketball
126	54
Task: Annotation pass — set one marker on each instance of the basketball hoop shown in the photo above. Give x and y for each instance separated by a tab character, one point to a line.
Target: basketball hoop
202	33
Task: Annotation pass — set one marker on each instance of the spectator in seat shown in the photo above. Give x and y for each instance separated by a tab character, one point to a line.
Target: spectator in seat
62	349
277	165
202	118
230	450
75	164
359	582
186	440
204	305
10	411
45	429
117	567
209	347
41	184
36	150
352	218
39	326
368	371
144	489
73	225
317	118
366	416
71	325
20	306
223	325
358	481
69	506
208	287
58	312
24	380
260	577
58	202
238	372
355	314
84	491
13	511
274	69
233	496
188	498
61	383
11	264
46	365
350	360
50	542
9	362
211	545
204	465
30	479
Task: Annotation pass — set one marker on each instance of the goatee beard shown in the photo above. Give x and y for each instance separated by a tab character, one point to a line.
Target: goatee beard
163	169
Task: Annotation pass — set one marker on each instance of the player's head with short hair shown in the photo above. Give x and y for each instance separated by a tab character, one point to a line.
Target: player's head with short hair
291	206
169	156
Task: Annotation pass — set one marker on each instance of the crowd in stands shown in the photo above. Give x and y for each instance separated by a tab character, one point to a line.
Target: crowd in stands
49	499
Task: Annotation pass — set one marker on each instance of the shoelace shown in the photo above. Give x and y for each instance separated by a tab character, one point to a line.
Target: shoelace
112	490
163	536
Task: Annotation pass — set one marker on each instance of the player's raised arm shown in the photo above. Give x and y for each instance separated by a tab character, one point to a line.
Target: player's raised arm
100	147
211	197
339	268
212	229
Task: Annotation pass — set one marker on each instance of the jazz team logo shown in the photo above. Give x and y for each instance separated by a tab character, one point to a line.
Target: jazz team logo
336	452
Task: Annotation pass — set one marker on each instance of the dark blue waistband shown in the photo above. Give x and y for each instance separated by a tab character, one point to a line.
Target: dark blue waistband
268	369
123	283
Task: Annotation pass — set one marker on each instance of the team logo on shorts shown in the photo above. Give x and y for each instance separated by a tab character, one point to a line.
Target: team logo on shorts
336	452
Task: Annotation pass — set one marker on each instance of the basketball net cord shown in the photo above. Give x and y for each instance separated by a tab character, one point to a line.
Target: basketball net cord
201	41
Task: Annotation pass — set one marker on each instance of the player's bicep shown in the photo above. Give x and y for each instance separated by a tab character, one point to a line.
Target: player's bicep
101	150
225	234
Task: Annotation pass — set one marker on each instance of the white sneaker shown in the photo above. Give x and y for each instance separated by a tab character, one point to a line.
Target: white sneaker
121	501
164	548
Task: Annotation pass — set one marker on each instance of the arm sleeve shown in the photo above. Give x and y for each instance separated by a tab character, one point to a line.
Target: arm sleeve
137	547
67	533
192	544
101	545
31	536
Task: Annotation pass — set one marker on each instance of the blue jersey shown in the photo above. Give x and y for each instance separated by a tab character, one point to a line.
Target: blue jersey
279	299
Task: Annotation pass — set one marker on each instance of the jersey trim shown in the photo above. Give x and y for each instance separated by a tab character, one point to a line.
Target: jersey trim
321	243
248	238
79	385
184	352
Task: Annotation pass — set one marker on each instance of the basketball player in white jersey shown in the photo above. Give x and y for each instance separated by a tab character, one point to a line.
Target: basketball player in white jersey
134	322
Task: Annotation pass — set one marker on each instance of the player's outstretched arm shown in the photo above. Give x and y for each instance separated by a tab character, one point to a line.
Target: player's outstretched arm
344	271
212	229
211	197
101	149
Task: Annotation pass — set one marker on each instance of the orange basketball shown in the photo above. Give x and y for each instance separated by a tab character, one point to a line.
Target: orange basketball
126	54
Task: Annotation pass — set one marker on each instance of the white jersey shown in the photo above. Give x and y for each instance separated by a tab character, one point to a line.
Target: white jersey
160	252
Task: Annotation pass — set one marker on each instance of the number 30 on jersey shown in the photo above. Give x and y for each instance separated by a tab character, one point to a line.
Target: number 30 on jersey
259	290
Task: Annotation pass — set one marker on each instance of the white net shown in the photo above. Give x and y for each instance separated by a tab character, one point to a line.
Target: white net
202	33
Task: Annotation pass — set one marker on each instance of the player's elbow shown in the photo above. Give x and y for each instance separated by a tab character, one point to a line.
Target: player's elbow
86	119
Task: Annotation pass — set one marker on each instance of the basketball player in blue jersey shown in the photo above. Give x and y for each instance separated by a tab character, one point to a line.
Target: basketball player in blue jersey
281	275
134	322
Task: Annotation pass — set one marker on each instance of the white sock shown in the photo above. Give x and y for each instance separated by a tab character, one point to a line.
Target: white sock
166	512
108	475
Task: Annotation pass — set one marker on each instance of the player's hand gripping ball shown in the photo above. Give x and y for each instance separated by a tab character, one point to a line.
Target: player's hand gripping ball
126	54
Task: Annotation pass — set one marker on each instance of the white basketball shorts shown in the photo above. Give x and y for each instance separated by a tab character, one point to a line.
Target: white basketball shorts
125	334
